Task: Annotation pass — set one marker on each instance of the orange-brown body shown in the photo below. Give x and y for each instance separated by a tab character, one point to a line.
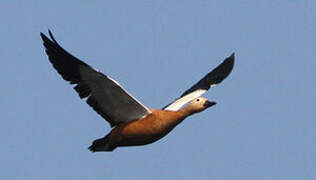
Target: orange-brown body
146	130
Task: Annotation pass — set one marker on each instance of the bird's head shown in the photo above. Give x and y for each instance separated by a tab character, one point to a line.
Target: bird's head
199	104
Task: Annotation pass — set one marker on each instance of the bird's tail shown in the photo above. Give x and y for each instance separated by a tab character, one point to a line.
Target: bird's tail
102	144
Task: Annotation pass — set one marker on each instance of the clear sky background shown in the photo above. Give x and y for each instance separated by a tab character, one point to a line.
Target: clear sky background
262	128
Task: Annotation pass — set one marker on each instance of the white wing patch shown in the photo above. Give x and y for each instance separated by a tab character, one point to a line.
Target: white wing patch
176	105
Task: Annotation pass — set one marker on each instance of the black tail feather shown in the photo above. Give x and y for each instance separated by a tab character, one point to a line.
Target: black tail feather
102	144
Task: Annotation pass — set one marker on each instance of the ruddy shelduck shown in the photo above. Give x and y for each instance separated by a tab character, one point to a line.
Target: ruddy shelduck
132	123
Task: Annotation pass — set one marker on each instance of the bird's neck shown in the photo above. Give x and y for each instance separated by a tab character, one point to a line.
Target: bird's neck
181	115
170	119
173	117
186	111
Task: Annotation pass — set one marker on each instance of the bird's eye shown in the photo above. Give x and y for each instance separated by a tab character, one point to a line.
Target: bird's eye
197	99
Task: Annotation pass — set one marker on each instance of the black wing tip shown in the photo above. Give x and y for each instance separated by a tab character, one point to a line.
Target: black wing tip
42	34
223	70
52	36
45	38
231	58
229	63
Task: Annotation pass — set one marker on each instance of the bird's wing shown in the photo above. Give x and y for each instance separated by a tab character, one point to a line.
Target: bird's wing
103	94
213	78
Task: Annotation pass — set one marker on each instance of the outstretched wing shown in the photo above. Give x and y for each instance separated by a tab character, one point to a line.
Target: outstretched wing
211	79
103	94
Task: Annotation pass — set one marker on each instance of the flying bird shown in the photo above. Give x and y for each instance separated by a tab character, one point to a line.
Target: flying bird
132	122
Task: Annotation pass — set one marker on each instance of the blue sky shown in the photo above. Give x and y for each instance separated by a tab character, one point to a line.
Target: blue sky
263	126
